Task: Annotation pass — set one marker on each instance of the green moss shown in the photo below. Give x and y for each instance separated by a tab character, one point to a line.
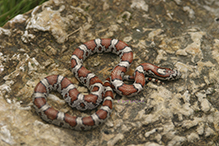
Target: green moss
18	98
11	8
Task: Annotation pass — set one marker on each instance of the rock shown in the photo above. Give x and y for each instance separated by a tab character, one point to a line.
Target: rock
50	51
105	6
200	128
6	136
189	11
193	137
209	132
115	139
139	4
40	43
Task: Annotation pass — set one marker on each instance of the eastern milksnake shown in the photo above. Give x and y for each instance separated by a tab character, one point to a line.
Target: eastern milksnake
98	92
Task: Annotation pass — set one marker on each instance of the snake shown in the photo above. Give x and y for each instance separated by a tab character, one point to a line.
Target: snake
100	93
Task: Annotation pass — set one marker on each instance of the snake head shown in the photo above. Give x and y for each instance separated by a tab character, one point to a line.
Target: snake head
168	74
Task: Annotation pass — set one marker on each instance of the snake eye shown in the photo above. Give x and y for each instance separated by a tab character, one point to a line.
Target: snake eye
168	71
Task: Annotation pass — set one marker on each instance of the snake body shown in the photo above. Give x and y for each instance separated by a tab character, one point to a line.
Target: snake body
99	92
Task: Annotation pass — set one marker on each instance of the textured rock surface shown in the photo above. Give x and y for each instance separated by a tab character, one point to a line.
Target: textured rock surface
175	34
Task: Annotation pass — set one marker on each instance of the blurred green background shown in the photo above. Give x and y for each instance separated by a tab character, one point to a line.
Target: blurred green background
11	8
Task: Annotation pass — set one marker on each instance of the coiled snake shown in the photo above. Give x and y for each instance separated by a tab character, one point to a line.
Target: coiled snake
98	92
